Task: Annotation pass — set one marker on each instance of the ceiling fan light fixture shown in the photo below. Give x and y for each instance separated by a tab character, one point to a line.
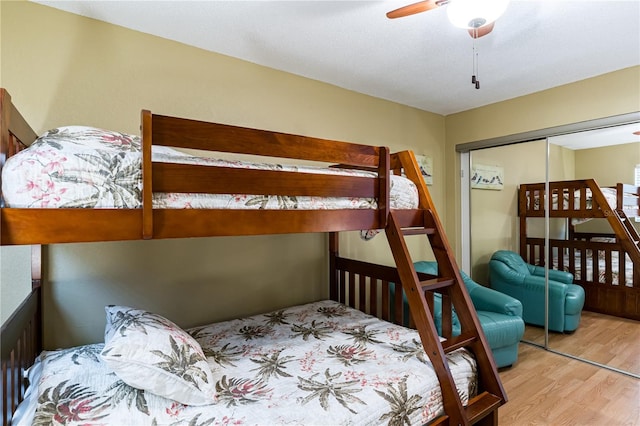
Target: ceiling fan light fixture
471	14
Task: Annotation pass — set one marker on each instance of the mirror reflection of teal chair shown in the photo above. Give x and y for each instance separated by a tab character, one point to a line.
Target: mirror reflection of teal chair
510	274
500	316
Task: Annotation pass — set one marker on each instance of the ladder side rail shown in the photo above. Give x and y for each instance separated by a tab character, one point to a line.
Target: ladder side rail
463	305
626	221
424	323
616	222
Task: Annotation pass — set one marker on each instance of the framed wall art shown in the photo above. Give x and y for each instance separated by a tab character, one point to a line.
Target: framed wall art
487	177
426	167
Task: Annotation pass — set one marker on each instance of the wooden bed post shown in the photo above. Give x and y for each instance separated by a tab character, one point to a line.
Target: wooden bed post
147	190
384	178
522	209
5	143
15	132
36	287
5	100
334	240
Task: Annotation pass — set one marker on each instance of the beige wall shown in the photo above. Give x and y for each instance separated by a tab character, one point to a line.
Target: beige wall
608	166
15	275
602	96
63	69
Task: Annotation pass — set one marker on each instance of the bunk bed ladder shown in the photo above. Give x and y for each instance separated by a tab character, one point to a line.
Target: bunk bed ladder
632	242
481	409
620	223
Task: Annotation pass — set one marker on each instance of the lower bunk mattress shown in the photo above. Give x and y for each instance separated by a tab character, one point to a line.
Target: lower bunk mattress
318	363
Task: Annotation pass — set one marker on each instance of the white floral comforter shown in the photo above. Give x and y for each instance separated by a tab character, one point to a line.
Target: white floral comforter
320	363
86	167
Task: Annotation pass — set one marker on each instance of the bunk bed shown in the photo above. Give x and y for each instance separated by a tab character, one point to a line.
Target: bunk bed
354	285
606	264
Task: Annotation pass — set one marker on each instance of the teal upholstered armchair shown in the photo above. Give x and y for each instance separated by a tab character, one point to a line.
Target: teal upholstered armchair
500	316
510	274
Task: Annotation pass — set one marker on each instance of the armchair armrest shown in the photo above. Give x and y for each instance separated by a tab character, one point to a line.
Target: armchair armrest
486	299
554	275
557	292
561	276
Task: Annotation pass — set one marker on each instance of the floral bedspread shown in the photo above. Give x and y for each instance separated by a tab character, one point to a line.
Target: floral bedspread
320	363
85	167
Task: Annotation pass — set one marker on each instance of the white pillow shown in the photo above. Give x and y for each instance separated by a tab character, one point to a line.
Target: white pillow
149	352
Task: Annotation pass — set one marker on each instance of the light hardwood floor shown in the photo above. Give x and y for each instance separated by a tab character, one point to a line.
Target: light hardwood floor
601	338
545	388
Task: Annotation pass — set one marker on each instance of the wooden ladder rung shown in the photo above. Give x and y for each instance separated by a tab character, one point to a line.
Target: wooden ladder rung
418	231
481	405
436	283
457	342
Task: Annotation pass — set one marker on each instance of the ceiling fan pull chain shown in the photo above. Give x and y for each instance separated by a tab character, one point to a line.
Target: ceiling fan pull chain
477	71
474	77
473	60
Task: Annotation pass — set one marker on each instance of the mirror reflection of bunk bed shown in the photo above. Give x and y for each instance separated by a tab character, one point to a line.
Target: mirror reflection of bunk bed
139	207
607	265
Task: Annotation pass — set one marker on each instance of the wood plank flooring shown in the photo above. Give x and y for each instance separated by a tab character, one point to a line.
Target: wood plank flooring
545	388
601	338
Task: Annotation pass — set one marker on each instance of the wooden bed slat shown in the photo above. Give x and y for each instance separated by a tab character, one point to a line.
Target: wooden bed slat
184	223
184	133
171	177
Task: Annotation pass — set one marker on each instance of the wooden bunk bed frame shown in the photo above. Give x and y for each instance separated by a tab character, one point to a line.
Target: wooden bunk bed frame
361	285
610	297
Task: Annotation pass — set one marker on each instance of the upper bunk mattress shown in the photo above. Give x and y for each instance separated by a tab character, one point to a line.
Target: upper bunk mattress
319	363
86	167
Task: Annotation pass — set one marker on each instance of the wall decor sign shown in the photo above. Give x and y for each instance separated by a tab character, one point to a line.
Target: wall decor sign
487	177
426	168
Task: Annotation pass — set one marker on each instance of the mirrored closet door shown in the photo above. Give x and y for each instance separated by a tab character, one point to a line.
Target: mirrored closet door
593	248
596	318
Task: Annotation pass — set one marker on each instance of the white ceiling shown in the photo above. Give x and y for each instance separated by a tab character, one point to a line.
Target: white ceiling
599	137
420	60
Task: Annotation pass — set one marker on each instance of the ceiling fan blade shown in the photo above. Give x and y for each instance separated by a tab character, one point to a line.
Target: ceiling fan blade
412	9
482	31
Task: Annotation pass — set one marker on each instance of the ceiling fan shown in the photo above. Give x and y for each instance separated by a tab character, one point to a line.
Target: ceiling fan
477	16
